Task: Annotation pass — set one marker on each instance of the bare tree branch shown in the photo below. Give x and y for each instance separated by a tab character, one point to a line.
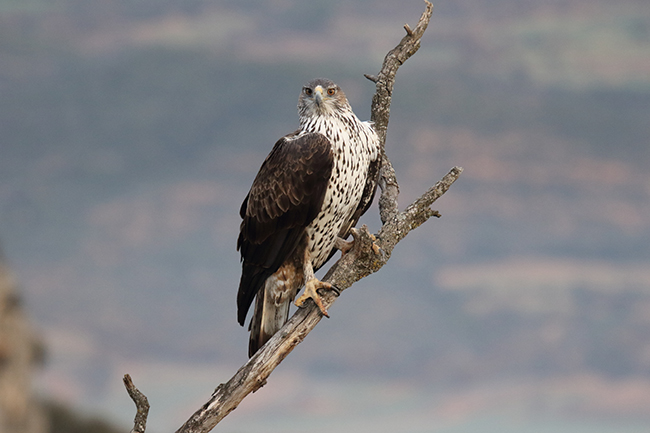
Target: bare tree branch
380	109
368	254
385	80
141	405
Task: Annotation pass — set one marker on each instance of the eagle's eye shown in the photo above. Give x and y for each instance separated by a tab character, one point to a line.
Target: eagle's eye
307	91
331	91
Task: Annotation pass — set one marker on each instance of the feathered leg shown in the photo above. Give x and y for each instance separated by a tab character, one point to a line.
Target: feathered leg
272	305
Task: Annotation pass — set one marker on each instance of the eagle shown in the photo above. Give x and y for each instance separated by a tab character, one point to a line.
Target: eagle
307	196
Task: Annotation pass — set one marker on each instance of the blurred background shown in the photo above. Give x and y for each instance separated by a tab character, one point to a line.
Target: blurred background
130	132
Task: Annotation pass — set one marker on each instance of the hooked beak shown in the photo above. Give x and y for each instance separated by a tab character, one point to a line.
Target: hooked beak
318	96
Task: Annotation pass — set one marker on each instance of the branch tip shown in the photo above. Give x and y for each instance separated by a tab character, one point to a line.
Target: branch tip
408	30
372	78
141	405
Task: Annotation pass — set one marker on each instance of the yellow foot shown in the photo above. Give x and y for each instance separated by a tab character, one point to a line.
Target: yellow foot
311	291
343	246
375	247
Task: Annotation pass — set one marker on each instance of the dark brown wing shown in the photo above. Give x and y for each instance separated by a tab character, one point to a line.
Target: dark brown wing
285	197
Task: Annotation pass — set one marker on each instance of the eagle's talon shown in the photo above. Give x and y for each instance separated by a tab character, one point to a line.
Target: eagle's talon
374	246
311	291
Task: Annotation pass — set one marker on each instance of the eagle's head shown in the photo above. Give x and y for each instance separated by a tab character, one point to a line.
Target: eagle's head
321	97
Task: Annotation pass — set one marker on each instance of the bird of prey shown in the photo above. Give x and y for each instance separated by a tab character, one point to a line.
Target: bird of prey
307	196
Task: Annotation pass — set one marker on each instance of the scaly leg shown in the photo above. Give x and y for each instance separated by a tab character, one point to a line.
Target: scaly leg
345	246
312	284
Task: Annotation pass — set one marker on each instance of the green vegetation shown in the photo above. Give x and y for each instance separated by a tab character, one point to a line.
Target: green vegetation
65	420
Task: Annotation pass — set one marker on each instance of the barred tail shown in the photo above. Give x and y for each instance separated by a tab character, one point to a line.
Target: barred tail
268	318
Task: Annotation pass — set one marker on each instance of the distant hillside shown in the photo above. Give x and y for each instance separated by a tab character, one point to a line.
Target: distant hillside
21	352
63	419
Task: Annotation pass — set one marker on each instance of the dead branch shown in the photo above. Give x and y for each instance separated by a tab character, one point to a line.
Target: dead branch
368	255
141	405
380	109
